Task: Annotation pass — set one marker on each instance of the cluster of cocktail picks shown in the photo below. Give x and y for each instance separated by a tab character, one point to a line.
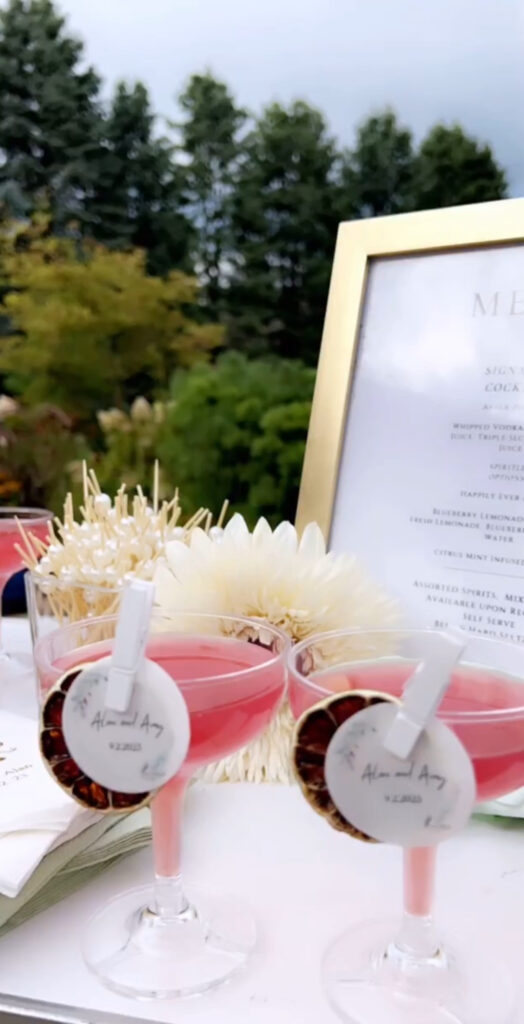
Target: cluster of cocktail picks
86	561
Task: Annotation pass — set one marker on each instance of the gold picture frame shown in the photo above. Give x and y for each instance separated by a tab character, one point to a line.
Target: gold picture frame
358	243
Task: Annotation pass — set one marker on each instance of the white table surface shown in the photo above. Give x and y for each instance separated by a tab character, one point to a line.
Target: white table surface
305	882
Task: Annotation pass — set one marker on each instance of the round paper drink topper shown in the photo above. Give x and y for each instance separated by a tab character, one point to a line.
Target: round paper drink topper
417	801
314	733
109	760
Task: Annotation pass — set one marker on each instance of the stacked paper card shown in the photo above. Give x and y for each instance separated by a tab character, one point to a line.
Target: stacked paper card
35	814
49	845
73	864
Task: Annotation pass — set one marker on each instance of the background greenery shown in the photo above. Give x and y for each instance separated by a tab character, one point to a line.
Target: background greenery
185	264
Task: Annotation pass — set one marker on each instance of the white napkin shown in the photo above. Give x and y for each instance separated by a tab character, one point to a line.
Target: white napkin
35	813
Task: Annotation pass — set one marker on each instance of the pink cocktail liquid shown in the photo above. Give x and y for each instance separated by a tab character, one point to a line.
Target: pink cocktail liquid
496	748
10	559
232	689
494	744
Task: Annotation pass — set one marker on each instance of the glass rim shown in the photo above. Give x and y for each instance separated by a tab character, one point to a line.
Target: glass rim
494	715
21	512
47	638
56	581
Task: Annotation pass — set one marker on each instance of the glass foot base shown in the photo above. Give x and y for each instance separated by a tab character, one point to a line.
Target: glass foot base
367	979
136	953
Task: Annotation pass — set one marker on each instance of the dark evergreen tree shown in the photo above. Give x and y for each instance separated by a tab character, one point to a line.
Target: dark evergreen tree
210	143
49	113
137	193
377	175
285	220
452	168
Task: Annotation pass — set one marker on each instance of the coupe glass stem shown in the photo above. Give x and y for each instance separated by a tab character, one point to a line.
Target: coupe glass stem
166	811
3	582
417	938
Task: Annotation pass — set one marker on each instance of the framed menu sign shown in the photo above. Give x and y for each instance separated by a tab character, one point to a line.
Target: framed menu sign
415	454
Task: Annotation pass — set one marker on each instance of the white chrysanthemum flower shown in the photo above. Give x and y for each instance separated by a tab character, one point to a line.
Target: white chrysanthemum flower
272	575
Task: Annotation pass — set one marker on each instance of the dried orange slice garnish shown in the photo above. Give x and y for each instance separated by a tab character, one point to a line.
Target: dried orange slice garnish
64	769
313	734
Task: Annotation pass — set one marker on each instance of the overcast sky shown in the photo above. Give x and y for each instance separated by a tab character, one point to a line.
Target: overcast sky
451	60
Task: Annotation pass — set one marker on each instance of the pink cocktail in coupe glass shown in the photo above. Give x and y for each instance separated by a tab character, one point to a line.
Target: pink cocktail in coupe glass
35	521
168	940
372	974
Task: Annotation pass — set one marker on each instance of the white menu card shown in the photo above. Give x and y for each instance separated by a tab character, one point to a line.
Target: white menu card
431	481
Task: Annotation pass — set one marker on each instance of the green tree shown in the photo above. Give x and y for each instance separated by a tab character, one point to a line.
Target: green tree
49	112
377	175
278	454
210	142
237	430
95	331
285	220
452	168
137	191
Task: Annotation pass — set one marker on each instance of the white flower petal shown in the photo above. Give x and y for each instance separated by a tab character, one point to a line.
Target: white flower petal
200	542
236	527
262	532
285	536
180	559
312	544
165	584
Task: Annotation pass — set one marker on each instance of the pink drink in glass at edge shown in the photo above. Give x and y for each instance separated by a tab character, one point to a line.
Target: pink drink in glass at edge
496	748
14	666
226	713
10	560
36	522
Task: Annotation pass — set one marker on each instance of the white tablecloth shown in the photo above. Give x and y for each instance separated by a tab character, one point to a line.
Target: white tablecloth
305	883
